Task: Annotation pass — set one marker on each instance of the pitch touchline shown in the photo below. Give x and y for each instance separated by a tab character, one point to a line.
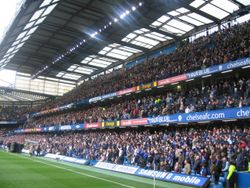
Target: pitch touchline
76	172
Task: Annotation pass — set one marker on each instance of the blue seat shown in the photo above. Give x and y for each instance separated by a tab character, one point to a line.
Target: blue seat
213	185
222	179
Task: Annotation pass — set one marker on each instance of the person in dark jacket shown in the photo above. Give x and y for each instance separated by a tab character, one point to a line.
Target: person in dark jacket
203	171
217	169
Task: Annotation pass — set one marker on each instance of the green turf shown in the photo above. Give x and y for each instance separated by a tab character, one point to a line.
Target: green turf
19	171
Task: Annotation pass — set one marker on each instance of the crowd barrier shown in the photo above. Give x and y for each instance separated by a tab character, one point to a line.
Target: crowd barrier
184	179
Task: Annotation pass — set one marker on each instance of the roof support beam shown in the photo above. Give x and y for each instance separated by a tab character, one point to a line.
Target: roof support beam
59	78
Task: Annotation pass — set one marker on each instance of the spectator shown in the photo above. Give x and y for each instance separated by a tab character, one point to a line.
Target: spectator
187	167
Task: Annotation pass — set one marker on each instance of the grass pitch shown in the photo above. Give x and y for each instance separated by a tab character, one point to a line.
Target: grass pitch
19	171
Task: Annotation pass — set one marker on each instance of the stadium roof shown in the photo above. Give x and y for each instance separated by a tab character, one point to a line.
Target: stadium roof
14	95
74	40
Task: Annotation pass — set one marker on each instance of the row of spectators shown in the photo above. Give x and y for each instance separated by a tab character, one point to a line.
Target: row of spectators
12	113
225	93
220	47
202	150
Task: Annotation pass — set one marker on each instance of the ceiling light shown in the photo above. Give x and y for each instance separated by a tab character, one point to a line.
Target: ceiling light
122	15
140	4
115	20
133	8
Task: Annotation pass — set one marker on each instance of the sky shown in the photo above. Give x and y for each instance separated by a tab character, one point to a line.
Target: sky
7	77
8	10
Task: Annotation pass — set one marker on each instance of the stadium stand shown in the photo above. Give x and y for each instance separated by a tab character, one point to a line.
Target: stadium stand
8	113
225	93
206	51
178	149
196	148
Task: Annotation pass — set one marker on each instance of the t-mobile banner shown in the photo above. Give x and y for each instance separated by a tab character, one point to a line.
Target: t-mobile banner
197	181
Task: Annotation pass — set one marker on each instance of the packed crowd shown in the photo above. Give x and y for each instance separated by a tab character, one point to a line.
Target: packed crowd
220	47
227	93
9	113
204	151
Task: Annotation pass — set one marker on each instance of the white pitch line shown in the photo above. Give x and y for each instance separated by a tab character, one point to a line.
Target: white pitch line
76	172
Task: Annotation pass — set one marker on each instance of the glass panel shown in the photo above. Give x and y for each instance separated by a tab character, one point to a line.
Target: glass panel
214	11
15	51
173	13
197	3
156	24
244	2
49	9
15	43
98	64
200	18
226	5
45	3
37	14
170	29
182	10
40	20
30	24
101	62
107	59
60	74
147	40
25	38
72	67
124	53
131	35
180	25
163	19
21	35
19	45
116	55
243	18
32	30
71	76
82	71
10	50
191	20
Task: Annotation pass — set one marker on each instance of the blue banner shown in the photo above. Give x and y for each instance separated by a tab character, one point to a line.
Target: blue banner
197	181
220	68
52	128
95	99
223	114
7	122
